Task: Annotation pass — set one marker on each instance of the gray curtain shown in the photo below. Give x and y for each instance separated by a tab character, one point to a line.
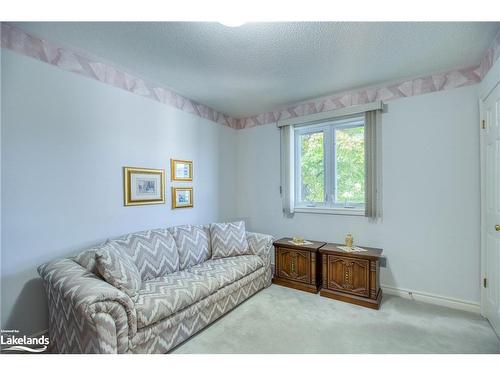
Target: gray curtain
287	169
372	164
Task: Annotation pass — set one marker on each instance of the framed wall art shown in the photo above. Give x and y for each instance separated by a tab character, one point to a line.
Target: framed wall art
182	197
181	170
143	186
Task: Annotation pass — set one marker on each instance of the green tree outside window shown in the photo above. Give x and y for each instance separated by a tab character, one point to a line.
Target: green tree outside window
312	167
349	163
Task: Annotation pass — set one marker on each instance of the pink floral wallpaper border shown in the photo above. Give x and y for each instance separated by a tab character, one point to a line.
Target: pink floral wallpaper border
22	42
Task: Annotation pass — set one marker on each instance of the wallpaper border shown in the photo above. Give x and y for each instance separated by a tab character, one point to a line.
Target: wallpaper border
18	40
387	91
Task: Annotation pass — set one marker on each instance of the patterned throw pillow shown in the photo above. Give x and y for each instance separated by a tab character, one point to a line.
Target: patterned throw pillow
153	251
118	269
228	239
193	244
86	259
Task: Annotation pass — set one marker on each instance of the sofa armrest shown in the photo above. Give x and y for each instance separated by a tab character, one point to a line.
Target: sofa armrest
86	314
261	245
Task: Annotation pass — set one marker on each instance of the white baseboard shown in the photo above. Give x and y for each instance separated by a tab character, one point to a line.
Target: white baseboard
434	299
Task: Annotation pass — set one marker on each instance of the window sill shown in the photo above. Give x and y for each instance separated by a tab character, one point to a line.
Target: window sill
330	211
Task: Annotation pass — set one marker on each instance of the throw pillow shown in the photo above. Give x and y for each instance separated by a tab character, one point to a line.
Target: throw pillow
153	252
228	239
118	269
193	244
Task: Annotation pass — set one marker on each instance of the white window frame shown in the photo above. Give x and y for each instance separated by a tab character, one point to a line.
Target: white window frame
329	205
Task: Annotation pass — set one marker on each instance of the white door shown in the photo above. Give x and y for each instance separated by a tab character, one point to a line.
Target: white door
490	225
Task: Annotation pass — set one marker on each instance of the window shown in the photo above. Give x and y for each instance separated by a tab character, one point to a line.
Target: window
330	162
329	165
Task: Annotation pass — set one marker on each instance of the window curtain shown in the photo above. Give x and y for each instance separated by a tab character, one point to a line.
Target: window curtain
287	169
372	164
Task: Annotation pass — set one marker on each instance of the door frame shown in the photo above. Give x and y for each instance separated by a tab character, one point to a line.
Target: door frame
482	223
487	90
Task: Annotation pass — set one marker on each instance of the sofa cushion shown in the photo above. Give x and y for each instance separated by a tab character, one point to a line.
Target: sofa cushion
228	270
228	239
87	259
118	269
161	297
193	244
153	251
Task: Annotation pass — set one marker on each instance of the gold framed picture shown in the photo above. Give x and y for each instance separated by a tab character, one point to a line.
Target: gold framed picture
182	197
181	170
143	186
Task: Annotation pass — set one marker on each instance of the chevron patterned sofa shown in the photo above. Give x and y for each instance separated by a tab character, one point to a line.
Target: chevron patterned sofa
167	285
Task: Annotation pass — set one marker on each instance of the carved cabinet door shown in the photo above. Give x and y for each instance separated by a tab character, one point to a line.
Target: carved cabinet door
349	275
294	265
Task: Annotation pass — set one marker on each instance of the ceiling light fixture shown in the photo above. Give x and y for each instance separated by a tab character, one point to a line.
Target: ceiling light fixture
232	23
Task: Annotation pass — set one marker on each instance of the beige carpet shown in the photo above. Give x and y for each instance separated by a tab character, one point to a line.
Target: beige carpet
284	320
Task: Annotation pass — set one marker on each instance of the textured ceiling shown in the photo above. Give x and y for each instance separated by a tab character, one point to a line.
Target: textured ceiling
262	66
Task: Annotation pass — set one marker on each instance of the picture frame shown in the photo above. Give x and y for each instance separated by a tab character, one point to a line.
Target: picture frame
143	186
182	197
181	170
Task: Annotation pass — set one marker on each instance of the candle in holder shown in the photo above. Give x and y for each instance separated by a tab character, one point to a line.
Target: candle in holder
349	240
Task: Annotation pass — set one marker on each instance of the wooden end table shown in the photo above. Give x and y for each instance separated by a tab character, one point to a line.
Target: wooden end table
352	277
297	266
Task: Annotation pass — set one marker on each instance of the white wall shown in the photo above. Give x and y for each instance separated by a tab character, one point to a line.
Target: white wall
430	227
65	140
490	81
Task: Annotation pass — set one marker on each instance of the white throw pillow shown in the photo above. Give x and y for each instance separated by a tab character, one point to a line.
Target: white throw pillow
228	239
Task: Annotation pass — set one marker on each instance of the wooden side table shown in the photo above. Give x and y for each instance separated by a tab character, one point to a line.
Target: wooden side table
352	277
297	266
